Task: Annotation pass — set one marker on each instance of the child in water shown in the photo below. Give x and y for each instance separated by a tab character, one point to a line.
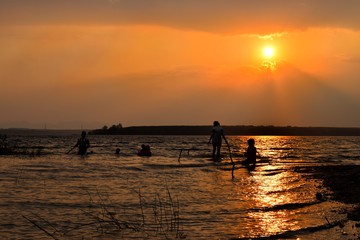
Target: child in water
250	153
117	151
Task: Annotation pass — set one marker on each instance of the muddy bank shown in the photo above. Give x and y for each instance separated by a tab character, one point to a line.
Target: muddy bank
340	183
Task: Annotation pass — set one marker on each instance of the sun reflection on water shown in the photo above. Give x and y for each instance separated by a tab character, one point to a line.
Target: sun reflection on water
275	198
272	222
269	192
278	195
271	189
275	147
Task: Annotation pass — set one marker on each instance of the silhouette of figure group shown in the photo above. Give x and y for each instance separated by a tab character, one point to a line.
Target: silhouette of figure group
217	134
144	151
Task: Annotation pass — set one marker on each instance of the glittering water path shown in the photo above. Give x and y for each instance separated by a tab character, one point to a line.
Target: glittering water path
62	193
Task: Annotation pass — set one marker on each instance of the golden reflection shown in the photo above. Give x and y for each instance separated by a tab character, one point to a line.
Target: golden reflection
272	222
269	192
275	147
270	189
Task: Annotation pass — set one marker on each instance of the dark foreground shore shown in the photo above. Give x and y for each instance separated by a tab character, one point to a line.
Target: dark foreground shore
229	130
341	183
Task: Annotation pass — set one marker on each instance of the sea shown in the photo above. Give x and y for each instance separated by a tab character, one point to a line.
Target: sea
179	192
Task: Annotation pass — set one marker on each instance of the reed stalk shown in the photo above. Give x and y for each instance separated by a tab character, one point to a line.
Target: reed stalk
101	216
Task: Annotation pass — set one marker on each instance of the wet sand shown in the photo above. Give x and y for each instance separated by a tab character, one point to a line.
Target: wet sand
342	180
341	183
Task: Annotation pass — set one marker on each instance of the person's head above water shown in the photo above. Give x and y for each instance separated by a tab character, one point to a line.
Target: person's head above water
251	142
216	123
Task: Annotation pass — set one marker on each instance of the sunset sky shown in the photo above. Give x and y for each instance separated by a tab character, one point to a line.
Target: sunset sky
87	63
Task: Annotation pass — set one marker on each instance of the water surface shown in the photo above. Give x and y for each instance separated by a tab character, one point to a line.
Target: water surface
167	195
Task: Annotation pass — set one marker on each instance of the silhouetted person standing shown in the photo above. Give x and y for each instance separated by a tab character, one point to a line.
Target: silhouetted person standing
83	144
217	134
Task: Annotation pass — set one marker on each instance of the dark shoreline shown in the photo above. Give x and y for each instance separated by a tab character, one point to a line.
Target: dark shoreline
195	130
340	184
229	130
342	180
343	183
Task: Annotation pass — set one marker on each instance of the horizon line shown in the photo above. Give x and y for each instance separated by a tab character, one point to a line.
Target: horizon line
209	125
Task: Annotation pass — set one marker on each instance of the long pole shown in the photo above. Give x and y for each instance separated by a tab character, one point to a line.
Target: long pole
232	162
71	149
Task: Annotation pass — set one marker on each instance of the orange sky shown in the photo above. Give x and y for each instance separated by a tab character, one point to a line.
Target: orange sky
89	63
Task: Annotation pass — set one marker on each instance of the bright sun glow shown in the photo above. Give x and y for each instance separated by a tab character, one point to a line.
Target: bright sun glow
268	52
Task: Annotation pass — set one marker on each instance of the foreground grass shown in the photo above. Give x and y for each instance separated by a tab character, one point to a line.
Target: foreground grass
158	218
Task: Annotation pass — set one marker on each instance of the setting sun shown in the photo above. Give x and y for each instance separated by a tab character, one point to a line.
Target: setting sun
268	52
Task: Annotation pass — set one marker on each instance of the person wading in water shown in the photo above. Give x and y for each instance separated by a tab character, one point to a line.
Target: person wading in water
217	134
83	144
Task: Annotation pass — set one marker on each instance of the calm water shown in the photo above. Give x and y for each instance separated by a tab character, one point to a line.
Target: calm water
104	196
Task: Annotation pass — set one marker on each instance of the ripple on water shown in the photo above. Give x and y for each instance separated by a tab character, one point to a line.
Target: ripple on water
277	197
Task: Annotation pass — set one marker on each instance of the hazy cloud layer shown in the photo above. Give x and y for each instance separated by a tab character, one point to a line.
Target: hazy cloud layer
183	98
221	16
92	62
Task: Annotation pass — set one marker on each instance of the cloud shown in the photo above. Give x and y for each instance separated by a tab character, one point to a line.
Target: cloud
309	100
184	96
350	59
271	36
188	97
218	16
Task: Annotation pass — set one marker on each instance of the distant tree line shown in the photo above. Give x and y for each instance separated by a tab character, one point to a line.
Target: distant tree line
229	130
105	130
